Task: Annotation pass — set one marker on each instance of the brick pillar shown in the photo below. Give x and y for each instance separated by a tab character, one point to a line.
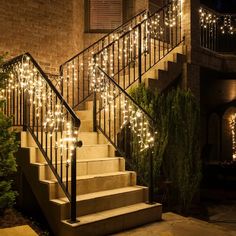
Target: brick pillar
191	33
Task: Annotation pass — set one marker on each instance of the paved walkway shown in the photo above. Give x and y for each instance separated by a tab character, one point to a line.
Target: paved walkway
223	215
172	225
23	230
176	225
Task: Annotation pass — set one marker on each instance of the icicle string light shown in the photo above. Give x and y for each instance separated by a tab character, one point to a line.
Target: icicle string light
25	78
210	20
154	27
112	98
232	124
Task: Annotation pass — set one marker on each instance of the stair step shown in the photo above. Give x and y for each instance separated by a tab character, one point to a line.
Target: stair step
115	220
94	183
84	167
104	200
85	114
86	126
88	138
94	151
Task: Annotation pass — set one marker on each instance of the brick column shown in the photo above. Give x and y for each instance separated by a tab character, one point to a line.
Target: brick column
191	33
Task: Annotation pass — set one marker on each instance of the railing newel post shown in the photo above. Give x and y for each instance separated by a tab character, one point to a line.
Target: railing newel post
151	182
94	111
25	115
73	208
140	53
73	188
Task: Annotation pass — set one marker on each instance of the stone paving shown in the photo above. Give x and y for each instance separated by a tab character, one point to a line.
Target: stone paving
223	224
176	225
23	230
223	215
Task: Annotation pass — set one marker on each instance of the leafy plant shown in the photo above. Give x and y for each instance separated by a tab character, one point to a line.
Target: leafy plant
182	164
8	146
176	150
153	103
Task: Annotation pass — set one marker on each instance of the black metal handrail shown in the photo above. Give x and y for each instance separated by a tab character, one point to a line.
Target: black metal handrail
120	29
124	56
127	59
36	105
75	73
217	30
128	127
117	64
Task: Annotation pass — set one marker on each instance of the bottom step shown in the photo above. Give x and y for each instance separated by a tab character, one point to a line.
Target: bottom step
113	221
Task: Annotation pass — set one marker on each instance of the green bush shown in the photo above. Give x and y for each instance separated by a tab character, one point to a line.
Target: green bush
181	162
8	146
176	151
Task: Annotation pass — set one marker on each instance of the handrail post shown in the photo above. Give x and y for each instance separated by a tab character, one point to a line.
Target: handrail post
25	119
140	53
94	111
73	184
151	184
73	188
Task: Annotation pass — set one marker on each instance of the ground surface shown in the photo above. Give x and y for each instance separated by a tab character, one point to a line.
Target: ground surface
23	230
176	225
221	218
13	218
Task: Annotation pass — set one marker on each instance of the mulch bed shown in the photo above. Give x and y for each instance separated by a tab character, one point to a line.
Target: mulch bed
13	217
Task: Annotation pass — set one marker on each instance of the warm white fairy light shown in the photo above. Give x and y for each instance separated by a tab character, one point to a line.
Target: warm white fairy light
155	26
131	115
173	13
208	20
122	45
232	123
227	27
25	77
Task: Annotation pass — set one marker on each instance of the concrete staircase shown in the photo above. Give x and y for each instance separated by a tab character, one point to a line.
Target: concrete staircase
108	199
163	74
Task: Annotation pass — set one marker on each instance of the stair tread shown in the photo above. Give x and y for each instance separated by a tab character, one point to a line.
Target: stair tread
82	160
90	218
91	176
84	145
100	194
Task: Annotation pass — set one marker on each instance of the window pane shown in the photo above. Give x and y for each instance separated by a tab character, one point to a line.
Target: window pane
105	14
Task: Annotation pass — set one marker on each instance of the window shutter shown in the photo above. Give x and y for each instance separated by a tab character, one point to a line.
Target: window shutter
105	14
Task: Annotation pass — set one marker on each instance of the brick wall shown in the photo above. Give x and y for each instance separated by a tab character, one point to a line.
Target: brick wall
140	5
51	30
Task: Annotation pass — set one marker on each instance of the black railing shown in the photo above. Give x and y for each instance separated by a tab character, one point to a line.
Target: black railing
37	106
218	31
129	57
113	64
124	123
125	54
76	74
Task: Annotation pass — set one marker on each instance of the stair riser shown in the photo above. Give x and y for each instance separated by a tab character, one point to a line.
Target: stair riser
86	152
86	126
98	151
85	114
85	168
88	138
107	203
116	224
91	138
95	184
176	56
